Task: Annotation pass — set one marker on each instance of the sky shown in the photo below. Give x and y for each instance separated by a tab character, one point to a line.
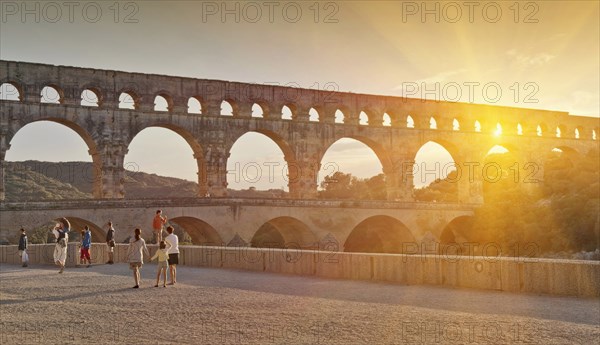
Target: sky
539	54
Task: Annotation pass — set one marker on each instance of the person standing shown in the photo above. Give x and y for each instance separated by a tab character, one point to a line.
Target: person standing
157	225
135	254
110	243
61	232
86	243
173	242
23	248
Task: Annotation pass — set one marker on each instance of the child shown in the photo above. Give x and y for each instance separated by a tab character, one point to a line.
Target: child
163	262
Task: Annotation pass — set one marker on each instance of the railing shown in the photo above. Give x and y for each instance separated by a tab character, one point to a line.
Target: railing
511	274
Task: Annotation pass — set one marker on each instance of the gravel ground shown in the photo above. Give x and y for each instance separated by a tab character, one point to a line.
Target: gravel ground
211	306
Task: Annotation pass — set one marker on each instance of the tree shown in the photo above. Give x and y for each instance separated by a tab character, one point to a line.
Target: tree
345	186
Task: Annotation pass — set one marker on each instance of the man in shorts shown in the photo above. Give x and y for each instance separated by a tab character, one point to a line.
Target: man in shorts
173	252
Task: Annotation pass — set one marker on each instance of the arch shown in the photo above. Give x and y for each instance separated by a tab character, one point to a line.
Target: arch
442	154
91	97
578	132
519	129
594	134
457	232
284	232
410	122
229	107
363	119
194	105
288	112
313	115
432	123
387	120
51	93
258	110
498	130
77	224
201	232
163	102
197	150
379	234
270	172
380	152
184	133
455	125
339	116
89	143
541	129
561	131
128	100
500	171
11	91
500	149
568	151
477	126
560	160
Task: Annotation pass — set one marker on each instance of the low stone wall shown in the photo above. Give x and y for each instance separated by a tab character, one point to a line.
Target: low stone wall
546	276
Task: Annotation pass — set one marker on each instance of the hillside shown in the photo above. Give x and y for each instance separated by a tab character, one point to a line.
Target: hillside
35	180
24	184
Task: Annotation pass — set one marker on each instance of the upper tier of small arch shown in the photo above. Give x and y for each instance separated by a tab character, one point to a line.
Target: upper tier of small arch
109	89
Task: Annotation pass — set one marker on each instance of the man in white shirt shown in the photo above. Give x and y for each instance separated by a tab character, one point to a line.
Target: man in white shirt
173	252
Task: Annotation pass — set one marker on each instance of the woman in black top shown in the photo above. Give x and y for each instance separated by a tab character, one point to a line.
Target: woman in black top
110	242
23	248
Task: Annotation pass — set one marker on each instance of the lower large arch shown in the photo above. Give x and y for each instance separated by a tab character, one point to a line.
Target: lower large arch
457	231
379	234
77	224
200	231
284	232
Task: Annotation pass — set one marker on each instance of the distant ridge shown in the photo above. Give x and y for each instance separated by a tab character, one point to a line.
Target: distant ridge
36	180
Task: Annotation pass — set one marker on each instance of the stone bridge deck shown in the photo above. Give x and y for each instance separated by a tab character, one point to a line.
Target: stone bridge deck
223	220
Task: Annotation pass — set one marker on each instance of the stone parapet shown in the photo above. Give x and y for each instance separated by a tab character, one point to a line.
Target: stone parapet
517	275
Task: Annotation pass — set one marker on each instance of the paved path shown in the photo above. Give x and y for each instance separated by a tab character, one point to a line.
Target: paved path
211	306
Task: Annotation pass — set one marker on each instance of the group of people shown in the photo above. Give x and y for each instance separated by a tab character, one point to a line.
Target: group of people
167	254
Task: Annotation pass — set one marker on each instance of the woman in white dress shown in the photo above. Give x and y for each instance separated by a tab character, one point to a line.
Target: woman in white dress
61	232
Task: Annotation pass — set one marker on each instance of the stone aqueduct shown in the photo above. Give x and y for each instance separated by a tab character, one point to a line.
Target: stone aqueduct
465	130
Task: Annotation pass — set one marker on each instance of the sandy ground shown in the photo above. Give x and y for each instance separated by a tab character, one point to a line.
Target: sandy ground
211	306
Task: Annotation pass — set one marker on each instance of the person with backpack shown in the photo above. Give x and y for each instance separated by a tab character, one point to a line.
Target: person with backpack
86	243
61	232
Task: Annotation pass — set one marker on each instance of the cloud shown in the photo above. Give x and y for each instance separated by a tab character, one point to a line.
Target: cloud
440	77
525	60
